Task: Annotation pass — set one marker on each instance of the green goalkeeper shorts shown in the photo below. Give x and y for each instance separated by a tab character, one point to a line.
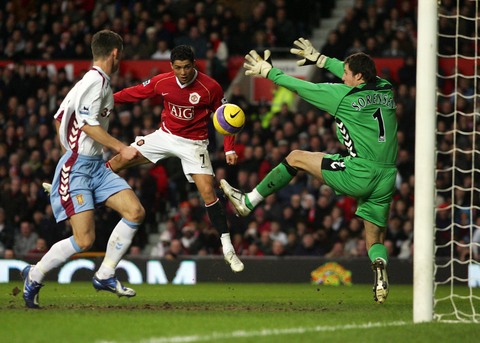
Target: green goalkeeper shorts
372	184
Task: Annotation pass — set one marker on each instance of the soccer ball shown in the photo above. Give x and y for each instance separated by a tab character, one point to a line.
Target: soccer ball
229	119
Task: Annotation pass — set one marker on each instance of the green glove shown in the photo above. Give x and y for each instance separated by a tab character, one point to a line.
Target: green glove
255	65
309	53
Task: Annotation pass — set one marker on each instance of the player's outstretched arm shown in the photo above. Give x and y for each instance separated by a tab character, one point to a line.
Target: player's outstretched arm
136	93
308	53
256	65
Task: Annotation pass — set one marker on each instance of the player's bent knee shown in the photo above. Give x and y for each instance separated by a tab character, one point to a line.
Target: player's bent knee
294	158
135	214
85	243
141	214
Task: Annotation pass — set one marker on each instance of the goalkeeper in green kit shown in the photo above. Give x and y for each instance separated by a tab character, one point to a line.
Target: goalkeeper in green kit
364	110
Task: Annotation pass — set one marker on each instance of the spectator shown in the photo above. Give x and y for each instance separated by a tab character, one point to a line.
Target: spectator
9	254
406	247
196	40
162	246
265	243
276	233
11	198
175	250
254	250
162	51
393	50
39	250
332	47
284	27
407	73
7	233
136	49
337	250
278	249
308	247
189	239
25	239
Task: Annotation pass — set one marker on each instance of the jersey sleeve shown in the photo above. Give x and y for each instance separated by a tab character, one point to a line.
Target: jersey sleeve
335	67
135	93
325	96
228	143
88	102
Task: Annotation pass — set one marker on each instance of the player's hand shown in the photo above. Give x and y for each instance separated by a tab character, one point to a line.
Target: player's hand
231	159
308	52
128	153
256	65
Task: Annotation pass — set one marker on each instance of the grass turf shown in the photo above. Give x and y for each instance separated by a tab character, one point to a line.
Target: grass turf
219	312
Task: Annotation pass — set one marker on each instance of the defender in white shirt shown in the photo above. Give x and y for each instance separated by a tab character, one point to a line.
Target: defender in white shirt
81	179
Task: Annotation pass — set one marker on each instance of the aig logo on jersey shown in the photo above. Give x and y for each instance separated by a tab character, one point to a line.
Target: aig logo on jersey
181	112
194	98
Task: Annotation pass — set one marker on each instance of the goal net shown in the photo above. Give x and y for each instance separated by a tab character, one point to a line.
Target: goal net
456	288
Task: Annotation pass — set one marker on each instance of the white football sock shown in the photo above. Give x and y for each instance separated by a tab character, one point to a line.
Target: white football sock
255	197
226	242
59	253
117	246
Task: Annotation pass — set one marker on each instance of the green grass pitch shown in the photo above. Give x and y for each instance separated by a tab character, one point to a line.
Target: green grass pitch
219	312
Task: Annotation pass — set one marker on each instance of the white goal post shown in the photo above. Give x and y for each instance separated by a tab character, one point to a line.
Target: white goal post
447	163
425	109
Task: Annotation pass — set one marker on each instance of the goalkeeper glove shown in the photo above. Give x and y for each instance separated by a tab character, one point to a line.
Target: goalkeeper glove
255	65
309	53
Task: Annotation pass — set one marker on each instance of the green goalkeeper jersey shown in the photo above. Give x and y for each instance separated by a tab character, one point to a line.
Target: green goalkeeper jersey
365	115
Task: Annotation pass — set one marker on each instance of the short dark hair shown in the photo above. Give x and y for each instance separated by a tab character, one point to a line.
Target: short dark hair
103	43
363	64
182	53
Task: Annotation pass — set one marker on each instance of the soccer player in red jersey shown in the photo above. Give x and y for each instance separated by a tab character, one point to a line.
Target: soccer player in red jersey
189	98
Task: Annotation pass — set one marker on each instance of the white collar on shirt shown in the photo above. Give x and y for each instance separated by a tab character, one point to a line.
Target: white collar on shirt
191	81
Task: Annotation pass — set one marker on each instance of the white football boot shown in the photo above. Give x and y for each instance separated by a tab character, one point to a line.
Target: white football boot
236	197
232	259
380	285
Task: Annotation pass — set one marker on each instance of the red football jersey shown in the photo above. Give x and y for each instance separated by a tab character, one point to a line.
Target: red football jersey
186	108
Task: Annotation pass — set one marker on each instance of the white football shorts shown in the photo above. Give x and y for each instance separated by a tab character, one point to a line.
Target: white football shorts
192	153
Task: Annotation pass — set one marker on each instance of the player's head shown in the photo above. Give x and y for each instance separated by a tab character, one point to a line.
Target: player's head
106	44
359	68
182	59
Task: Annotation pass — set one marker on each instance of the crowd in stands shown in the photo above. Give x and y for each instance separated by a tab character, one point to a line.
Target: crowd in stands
304	218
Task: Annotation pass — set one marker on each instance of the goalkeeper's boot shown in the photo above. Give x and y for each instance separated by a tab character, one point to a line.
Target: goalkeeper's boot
30	288
112	285
380	285
237	198
47	187
232	259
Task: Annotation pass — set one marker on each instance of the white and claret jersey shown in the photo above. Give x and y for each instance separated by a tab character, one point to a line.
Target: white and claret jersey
365	114
90	102
186	108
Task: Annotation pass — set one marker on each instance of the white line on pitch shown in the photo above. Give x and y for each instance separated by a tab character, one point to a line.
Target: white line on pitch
263	333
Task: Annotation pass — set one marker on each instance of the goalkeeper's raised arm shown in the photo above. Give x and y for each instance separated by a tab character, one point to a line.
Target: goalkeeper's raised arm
308	53
304	49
